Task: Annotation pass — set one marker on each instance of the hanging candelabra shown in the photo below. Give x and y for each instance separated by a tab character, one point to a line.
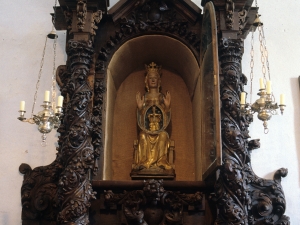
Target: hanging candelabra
49	117
265	106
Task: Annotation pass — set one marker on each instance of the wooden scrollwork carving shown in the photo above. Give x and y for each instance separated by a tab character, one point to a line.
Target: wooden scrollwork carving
96	18
229	14
154	205
242	197
77	152
38	192
150	17
81	14
97	141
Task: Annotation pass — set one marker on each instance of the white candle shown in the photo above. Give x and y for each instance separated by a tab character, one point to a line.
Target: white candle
60	101
243	98
47	96
261	83
282	99
22	106
269	89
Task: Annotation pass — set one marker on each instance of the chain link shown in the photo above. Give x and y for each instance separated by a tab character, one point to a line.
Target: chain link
54	57
265	51
39	77
54	76
41	69
262	51
264	57
251	65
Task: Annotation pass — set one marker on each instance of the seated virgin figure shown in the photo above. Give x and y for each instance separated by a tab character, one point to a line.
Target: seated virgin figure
153	116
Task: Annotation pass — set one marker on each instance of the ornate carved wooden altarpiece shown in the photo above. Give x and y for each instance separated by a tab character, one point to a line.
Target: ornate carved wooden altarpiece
89	183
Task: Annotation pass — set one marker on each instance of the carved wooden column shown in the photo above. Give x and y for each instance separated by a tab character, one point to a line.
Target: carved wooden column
60	193
76	150
241	196
231	188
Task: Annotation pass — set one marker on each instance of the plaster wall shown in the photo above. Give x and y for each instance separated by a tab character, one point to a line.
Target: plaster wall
23	27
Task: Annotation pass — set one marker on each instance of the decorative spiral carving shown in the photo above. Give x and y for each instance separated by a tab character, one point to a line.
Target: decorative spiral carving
242	197
77	152
38	192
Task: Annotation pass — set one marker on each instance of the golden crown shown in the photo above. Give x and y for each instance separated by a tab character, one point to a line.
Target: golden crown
153	67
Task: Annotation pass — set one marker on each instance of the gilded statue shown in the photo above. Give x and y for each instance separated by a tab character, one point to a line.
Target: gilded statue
153	116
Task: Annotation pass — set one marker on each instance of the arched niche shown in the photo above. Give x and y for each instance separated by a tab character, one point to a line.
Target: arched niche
125	76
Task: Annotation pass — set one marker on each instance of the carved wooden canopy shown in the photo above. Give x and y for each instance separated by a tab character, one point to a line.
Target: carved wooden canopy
205	50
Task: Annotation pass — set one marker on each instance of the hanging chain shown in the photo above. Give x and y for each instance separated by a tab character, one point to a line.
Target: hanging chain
262	51
266	54
266	104
265	51
252	61
54	57
39	78
41	70
251	65
54	75
264	57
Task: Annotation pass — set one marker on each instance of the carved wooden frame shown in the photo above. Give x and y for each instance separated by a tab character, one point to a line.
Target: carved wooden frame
61	192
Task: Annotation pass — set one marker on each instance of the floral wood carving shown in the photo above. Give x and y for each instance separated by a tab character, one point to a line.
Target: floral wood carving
77	152
242	20
96	18
229	14
242	197
150	17
81	14
154	205
38	192
99	90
